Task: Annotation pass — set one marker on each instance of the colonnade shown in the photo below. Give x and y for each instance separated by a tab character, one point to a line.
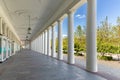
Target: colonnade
44	44
9	43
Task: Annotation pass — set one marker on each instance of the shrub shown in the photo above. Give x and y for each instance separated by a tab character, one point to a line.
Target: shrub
79	54
65	51
109	58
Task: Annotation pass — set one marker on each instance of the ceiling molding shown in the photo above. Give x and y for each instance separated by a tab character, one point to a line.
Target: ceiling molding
64	8
7	20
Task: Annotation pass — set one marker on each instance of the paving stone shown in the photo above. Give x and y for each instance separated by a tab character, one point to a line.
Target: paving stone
30	65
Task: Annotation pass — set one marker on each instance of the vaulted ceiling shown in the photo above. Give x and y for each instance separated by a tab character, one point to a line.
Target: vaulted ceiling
40	12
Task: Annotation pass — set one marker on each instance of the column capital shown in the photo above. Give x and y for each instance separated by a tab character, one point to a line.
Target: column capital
71	11
43	33
45	30
60	19
53	24
52	27
48	28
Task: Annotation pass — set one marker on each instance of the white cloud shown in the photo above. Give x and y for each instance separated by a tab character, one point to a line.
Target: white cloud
80	16
64	35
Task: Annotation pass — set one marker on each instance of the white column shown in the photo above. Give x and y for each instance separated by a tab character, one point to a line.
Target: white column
45	42
60	46
42	42
71	59
39	43
1	32
32	45
91	62
53	42
35	45
48	42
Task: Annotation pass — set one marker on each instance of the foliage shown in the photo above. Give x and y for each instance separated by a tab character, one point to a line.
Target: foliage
108	39
65	45
79	41
57	45
105	58
79	33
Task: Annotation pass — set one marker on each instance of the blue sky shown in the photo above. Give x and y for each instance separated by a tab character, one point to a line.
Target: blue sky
110	8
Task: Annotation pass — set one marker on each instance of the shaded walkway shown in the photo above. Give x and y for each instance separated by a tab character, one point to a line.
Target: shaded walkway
29	65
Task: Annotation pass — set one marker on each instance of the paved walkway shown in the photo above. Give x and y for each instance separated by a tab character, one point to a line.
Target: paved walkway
29	65
103	70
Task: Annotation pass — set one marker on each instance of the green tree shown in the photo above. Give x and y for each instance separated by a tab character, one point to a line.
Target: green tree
104	37
79	40
108	38
56	44
65	44
79	32
118	21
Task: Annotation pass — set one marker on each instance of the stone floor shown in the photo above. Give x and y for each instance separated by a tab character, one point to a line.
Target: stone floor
30	65
103	70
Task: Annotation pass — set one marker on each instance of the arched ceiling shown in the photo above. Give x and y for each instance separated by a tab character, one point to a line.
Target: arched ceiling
40	12
19	10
